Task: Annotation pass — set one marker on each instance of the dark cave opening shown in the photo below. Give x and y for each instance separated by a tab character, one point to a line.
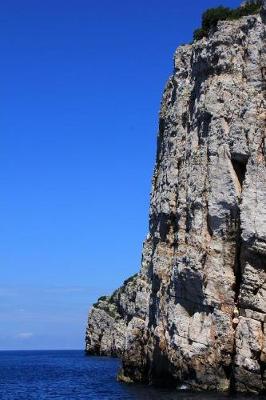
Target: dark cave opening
240	168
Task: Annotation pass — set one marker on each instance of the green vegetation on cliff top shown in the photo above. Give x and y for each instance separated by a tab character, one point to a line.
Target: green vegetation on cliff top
211	16
111	299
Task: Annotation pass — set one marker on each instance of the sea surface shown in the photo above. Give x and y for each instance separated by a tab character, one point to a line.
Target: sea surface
67	375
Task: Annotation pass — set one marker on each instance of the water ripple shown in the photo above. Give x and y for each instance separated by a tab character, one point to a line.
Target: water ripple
67	375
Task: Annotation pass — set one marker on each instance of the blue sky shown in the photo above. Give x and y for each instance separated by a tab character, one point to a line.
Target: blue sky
81	83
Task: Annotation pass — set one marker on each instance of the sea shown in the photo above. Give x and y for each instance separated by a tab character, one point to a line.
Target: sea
67	375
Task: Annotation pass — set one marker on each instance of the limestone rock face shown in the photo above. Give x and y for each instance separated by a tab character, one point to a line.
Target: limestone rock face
195	315
110	316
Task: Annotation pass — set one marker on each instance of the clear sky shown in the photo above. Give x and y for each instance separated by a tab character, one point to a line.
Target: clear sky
81	83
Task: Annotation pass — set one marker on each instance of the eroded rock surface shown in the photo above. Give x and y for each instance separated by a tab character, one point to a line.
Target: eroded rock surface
195	315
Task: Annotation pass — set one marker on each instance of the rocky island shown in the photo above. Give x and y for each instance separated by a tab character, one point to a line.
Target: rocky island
195	315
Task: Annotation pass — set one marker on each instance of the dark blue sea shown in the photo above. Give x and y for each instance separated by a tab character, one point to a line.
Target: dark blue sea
67	375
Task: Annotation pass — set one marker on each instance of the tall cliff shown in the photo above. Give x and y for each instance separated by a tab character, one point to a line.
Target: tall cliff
195	315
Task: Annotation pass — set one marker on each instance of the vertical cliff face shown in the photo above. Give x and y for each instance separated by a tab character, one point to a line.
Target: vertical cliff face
195	315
